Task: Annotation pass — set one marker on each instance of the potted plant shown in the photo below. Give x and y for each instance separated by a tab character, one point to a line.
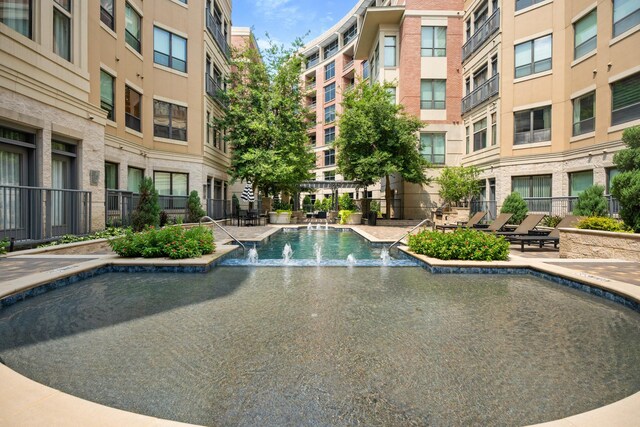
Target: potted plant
281	213
348	211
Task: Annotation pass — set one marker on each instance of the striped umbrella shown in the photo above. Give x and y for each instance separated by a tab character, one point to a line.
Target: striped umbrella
247	193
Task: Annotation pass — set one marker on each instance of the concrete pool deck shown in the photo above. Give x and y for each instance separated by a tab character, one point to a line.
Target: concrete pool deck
24	402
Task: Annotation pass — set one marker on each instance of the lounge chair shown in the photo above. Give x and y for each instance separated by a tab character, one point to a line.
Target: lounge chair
497	224
553	237
525	228
473	221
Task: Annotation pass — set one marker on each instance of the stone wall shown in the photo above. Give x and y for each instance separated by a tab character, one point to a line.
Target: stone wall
578	244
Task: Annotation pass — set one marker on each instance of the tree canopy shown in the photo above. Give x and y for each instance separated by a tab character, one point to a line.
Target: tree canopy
458	183
378	138
265	123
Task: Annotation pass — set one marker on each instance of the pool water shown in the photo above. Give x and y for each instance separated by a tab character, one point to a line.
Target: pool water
328	346
325	247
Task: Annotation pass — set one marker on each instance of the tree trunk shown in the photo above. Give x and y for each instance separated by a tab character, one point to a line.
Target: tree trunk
388	196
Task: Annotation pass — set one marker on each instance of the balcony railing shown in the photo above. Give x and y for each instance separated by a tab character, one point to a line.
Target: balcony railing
38	214
540	135
310	85
562	206
481	94
481	35
216	33
348	66
215	91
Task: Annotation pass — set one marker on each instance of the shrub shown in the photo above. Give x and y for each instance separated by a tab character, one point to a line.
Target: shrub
174	242
346	203
458	183
280	206
164	218
327	204
374	206
148	211
603	224
462	244
194	207
306	204
317	205
72	238
625	186
344	215
514	204
551	220
591	202
4	243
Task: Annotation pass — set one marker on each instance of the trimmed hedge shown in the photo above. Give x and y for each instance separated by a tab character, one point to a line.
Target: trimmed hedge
603	224
462	244
174	242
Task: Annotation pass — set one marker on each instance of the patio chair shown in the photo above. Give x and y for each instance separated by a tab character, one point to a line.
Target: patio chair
473	221
552	237
525	228
497	224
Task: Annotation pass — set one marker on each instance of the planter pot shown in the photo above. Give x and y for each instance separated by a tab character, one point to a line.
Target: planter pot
354	219
279	218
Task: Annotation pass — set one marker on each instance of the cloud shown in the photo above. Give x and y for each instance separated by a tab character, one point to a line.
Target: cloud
284	12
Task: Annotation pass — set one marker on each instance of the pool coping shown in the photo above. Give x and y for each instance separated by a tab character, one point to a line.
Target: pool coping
35	403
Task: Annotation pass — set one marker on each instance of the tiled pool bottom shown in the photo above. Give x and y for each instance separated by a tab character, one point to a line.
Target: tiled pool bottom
328	346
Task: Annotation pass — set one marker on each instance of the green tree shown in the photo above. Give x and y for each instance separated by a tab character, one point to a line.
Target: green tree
515	204
378	139
458	183
267	128
626	185
147	213
194	207
591	202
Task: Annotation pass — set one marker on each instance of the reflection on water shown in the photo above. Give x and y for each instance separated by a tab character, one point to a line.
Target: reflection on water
328	346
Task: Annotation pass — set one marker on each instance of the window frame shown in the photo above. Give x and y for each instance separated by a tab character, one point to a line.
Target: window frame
619	29
526	3
330	93
531	112
130	39
111	113
330	109
30	20
115	168
481	142
433	104
591	43
388	49
330	157
572	178
330	131
170	128
330	71
432	157
106	17
577	126
432	52
66	14
130	118
171	186
171	59
634	107
331	49
533	63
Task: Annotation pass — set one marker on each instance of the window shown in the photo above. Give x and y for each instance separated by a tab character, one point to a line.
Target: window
350	34
329	176
494	65
169	50
533	56
611	173
106	94
433	94
366	70
532	125
432	147
329	157
580	181
480	135
521	4
330	114
313	59
331	49
480	77
467	139
209	139
134	179
494	129
480	16
330	71
626	15
329	135
330	92
106	13
110	176
132	28
392	94
62	29
532	186
132	108
584	113
626	100
389	51
171	183
17	15
585	32
434	41
467	85
169	120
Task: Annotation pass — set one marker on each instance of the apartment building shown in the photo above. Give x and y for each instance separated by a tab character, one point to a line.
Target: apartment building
416	46
157	71
51	134
549	88
330	70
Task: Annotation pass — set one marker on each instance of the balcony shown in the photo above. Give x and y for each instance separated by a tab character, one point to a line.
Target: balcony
481	36
347	66
310	85
216	33
215	91
481	94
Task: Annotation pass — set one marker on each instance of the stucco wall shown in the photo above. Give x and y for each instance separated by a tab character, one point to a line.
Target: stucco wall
599	244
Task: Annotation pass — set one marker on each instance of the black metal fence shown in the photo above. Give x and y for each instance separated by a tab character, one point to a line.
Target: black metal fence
39	214
558	206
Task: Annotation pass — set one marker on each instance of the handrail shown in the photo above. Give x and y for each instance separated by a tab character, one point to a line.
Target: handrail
408	232
208	218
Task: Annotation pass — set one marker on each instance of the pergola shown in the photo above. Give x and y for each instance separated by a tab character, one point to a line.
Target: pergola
333	185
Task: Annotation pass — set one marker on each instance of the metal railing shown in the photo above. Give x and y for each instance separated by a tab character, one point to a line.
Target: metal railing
215	91
481	94
481	35
38	214
410	231
348	66
562	206
209	219
529	137
216	34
